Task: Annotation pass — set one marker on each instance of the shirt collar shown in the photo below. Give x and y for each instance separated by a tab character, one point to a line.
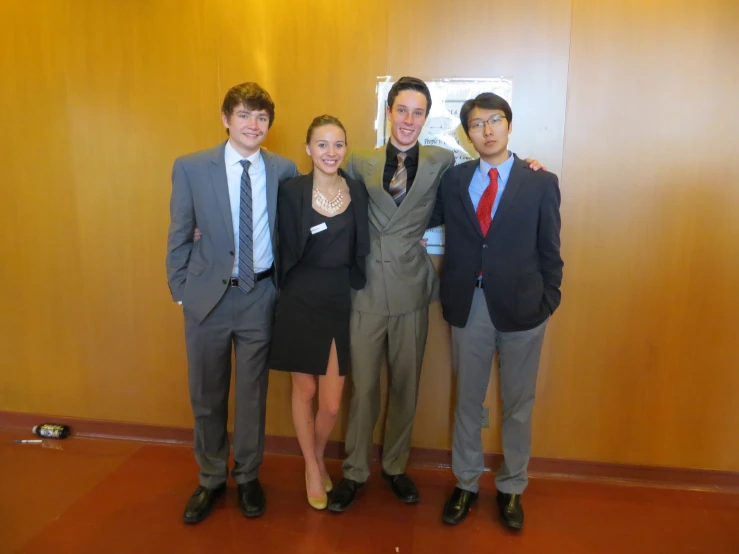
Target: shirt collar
504	169
232	157
412	152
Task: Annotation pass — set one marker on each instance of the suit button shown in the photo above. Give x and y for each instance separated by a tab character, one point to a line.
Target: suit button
231	252
224	281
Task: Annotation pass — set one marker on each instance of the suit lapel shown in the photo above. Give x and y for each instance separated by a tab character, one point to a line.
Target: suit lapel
219	181
465	178
426	172
375	167
272	188
306	215
512	187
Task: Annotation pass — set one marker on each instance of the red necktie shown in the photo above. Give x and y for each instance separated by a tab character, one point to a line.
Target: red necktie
485	207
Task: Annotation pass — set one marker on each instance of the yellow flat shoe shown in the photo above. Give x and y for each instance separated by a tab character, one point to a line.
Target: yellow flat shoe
328	485
318	503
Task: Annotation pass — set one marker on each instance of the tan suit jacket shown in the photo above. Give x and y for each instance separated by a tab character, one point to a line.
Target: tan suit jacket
400	275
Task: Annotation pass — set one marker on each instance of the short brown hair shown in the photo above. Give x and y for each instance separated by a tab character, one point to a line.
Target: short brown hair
252	96
409	83
321	121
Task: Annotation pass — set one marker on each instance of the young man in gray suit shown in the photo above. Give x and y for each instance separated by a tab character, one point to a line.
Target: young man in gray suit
225	283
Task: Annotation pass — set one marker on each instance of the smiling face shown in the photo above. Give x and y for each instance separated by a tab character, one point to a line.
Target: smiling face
407	117
327	148
247	129
491	139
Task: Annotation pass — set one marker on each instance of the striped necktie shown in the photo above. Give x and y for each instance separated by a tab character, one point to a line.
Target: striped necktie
399	182
246	227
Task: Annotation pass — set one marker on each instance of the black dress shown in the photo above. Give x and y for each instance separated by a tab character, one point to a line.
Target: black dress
315	297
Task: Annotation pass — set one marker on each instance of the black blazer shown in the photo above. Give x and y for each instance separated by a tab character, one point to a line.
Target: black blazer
294	205
519	257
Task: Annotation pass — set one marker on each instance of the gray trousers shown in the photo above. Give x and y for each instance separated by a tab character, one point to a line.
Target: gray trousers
473	347
244	322
403	340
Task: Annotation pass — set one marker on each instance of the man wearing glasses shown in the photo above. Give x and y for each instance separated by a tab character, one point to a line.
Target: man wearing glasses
500	283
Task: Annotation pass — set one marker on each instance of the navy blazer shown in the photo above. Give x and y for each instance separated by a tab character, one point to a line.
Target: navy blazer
519	258
294	214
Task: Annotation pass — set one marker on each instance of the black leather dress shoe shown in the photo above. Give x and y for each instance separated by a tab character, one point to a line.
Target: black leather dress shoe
511	511
343	495
458	506
402	486
201	503
251	498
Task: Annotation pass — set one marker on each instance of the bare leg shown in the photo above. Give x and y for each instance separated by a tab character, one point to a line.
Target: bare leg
304	389
329	400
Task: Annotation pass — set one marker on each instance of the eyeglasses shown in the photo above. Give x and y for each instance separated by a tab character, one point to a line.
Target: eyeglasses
494	121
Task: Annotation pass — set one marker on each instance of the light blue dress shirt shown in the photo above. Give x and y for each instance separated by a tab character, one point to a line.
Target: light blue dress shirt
480	181
261	238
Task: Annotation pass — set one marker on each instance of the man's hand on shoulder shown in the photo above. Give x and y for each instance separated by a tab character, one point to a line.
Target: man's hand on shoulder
534	164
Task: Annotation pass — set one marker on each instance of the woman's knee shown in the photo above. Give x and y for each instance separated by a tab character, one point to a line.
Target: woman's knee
330	406
304	386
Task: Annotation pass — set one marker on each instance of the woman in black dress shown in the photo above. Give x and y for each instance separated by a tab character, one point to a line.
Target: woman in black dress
323	241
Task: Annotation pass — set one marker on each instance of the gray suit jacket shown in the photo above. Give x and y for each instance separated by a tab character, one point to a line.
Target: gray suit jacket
400	275
199	272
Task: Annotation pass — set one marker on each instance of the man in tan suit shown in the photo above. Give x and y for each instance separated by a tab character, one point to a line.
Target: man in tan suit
390	315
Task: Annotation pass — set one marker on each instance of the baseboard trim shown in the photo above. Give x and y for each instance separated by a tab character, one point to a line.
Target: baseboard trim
419	457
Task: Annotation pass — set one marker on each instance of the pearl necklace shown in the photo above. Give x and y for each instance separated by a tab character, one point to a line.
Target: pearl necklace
331	206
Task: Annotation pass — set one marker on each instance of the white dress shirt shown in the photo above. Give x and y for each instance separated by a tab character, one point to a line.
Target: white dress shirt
262	240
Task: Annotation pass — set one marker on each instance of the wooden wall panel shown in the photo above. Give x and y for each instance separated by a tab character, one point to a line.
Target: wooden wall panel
40	276
98	98
643	364
142	80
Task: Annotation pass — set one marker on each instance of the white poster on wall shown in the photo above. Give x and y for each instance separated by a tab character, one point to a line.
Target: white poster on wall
442	126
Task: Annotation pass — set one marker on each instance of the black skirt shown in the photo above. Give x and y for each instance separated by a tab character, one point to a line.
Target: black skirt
314	305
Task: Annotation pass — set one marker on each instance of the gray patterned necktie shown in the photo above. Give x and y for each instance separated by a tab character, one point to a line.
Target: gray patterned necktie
246	227
399	182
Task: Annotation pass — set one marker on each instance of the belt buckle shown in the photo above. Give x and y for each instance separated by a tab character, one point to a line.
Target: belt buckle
234	282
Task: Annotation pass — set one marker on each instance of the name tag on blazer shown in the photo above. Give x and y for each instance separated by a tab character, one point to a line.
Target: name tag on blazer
318	228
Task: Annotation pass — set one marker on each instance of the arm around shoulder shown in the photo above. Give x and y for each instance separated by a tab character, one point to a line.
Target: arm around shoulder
349	166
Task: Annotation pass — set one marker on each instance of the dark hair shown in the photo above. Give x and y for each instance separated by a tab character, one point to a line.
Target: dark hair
409	83
321	121
484	101
252	96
